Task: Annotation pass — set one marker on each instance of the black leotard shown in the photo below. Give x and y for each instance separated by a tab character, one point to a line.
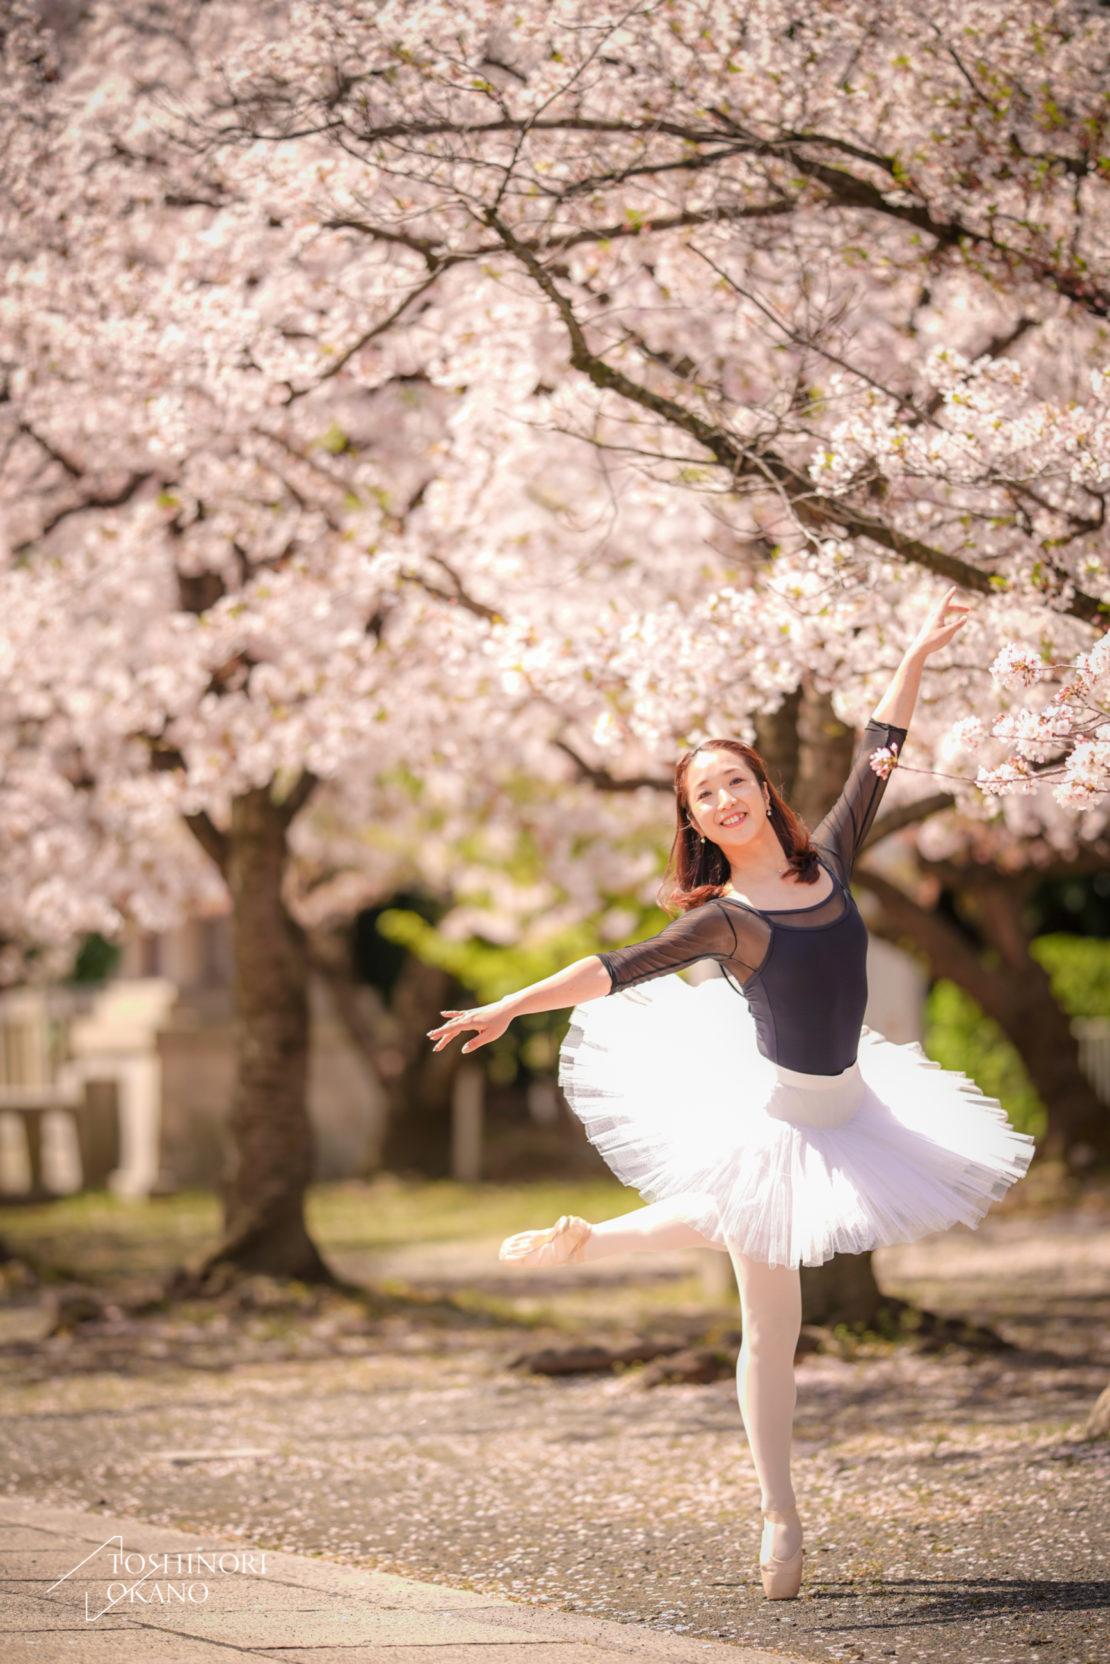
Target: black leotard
802	970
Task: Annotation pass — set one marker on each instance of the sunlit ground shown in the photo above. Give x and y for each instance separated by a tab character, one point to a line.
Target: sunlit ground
954	1515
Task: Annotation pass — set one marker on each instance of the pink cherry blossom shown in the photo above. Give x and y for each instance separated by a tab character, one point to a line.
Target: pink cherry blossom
447	411
884	759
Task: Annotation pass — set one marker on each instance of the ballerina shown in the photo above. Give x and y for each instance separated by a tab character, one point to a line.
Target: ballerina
774	1126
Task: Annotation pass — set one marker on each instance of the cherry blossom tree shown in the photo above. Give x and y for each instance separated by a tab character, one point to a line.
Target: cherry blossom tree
422	415
212	609
632	164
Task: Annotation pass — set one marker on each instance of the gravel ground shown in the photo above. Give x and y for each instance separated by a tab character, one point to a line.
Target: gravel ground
951	1511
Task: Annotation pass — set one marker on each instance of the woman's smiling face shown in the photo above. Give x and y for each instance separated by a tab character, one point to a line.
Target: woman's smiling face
725	801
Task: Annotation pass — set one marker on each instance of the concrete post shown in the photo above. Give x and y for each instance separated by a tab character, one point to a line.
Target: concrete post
466	1124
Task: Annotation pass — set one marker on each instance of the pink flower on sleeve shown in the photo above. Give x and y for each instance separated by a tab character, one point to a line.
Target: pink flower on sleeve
884	759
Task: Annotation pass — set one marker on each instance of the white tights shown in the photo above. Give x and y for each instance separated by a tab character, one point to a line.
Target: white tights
771	1316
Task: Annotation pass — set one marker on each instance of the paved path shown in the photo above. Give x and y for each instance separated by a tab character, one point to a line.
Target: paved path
85	1587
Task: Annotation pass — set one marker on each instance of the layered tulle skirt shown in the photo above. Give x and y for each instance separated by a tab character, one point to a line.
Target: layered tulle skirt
784	1167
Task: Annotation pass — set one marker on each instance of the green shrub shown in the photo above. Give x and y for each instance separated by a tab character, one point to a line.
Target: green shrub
958	1035
1079	967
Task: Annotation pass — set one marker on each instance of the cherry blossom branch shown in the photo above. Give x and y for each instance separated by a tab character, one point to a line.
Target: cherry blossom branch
909	814
296	798
90	499
208	835
456	596
605	780
850	191
339	364
1066	740
439	258
814	512
845	189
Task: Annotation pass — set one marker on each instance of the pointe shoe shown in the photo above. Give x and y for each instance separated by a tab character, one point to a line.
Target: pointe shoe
781	1578
561	1244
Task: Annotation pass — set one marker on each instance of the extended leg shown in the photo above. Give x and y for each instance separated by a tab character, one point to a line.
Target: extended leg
659	1225
771	1316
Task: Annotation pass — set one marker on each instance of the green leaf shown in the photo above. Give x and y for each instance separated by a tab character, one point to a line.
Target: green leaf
334	441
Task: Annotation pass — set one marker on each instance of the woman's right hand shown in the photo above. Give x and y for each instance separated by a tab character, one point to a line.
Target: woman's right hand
489	1021
939	629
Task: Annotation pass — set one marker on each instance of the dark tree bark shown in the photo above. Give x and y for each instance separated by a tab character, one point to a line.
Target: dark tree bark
1078	1125
826	747
272	1150
844	1290
419	1089
776	740
1013	989
391	1038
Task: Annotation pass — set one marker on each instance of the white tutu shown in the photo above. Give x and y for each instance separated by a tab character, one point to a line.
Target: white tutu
786	1168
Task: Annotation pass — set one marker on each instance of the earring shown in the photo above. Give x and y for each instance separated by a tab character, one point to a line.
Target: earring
701	838
768	811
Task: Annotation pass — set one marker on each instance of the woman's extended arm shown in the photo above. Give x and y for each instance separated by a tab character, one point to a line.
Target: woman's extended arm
703	933
896	705
586	979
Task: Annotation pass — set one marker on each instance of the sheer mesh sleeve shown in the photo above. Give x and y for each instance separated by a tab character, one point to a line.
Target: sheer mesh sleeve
841	833
712	931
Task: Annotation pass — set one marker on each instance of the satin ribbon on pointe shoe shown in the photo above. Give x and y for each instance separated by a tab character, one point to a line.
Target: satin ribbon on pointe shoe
782	1578
562	1244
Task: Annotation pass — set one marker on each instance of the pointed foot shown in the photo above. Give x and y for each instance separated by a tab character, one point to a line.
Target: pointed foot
562	1244
782	1579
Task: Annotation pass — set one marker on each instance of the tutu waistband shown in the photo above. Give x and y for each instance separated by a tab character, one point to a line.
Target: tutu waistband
815	1100
794	1077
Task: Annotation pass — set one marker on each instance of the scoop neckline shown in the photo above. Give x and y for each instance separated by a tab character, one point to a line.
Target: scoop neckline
765	912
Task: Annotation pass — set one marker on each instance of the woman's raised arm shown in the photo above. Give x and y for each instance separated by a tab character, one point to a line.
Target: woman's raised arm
843	831
896	705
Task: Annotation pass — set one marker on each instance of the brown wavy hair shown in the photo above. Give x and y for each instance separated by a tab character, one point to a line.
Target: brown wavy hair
698	872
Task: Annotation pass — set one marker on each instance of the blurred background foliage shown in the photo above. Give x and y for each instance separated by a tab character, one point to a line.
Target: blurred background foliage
492	970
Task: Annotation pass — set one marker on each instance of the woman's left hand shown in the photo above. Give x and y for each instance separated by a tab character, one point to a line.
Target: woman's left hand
941	627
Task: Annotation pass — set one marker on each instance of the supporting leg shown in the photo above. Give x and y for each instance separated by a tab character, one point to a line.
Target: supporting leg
771	1316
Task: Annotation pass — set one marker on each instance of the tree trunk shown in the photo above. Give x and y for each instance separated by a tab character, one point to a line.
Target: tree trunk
1078	1125
1016	992
843	1290
418	1090
392	1041
272	1148
776	740
826	747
